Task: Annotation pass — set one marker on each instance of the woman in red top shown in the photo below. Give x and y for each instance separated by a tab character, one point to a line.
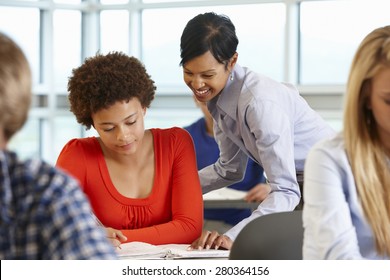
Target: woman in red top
143	184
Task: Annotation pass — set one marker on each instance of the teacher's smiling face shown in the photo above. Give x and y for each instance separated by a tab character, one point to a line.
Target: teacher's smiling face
206	77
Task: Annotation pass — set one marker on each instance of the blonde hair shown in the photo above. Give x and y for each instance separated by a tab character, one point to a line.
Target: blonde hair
364	148
15	87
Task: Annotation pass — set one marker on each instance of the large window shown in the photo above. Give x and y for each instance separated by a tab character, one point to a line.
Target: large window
330	33
67	45
305	42
114	31
260	33
25	33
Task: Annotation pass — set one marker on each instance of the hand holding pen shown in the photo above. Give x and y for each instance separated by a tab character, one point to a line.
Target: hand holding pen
115	236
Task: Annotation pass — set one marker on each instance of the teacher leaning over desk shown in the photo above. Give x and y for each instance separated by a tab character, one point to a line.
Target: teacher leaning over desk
254	116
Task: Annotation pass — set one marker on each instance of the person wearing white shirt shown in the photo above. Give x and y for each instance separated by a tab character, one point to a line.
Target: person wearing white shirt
347	178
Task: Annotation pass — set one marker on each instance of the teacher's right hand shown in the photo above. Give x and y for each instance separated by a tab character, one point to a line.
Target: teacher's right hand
211	240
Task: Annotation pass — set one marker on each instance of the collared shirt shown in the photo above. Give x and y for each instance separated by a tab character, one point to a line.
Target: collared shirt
45	215
207	152
255	116
335	226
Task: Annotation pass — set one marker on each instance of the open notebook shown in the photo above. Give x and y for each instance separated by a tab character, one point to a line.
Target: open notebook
142	250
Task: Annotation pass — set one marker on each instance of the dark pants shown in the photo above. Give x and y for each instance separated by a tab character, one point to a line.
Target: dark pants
300	183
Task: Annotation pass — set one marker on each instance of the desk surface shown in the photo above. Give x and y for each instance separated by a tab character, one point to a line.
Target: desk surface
227	198
229	203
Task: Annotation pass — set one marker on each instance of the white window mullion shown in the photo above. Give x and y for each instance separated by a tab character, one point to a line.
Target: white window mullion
291	42
135	26
47	130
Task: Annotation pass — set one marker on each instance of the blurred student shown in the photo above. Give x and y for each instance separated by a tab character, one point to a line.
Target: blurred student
207	153
254	117
143	184
347	178
44	214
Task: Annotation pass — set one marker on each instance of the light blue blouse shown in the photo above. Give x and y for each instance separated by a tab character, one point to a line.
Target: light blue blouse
270	122
334	223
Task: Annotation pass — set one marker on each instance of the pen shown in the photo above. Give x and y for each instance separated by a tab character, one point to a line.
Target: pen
99	223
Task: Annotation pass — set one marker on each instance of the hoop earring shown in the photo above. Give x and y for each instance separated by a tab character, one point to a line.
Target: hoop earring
368	120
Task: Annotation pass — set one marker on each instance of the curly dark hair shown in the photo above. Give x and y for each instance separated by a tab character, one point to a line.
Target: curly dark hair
103	80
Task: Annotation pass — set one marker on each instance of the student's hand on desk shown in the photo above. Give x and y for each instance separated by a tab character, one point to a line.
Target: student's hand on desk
211	240
258	193
115	236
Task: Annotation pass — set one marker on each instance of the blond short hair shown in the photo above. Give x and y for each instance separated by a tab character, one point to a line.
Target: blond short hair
15	87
